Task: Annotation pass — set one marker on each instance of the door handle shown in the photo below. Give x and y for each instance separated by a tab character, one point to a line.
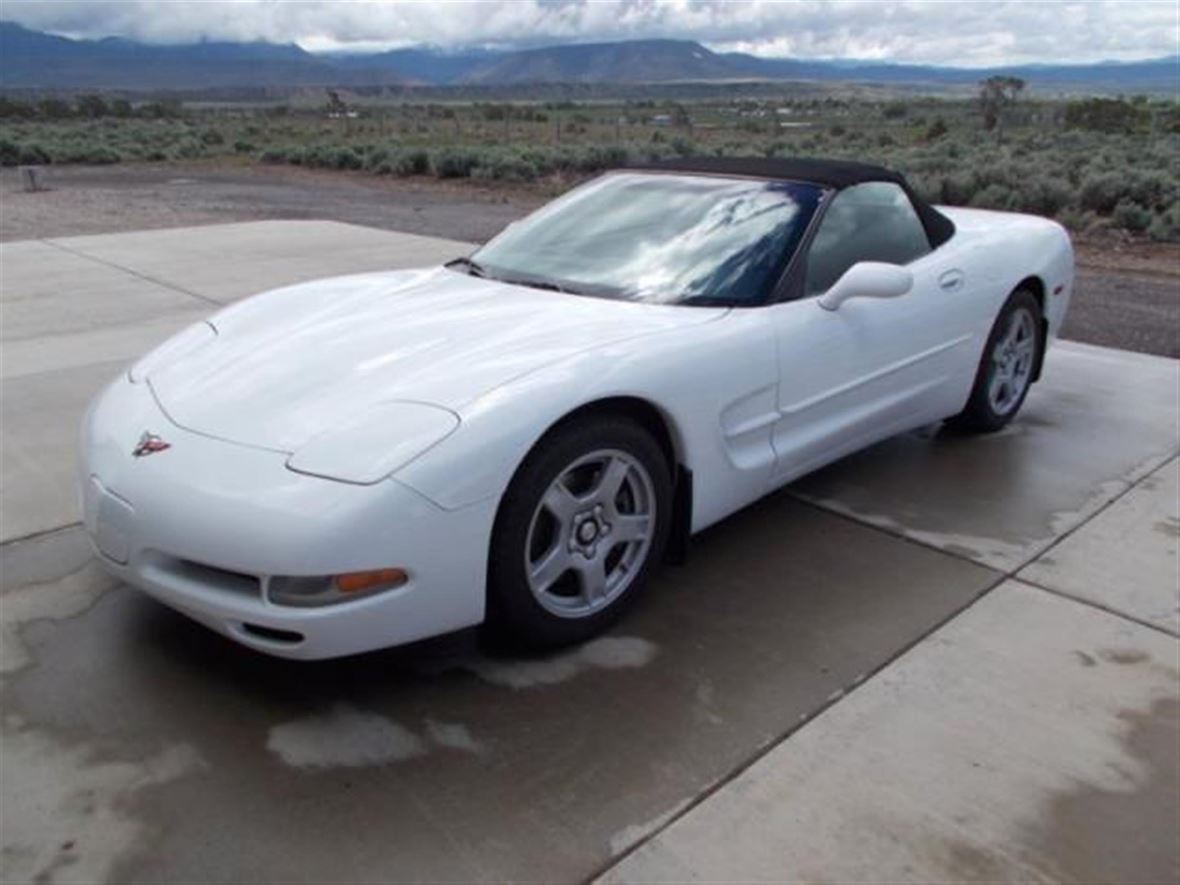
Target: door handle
951	280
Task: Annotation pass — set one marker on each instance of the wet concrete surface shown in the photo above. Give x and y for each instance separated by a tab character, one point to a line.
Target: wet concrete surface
1097	421
1031	739
1126	558
440	761
39	419
1135	846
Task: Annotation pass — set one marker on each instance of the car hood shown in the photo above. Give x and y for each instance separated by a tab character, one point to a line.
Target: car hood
290	364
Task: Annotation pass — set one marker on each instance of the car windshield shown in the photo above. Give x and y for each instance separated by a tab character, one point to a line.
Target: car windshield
658	238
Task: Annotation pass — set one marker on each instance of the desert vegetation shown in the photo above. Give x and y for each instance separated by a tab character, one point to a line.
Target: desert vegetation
1093	163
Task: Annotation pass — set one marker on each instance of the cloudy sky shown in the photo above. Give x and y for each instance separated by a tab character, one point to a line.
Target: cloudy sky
959	32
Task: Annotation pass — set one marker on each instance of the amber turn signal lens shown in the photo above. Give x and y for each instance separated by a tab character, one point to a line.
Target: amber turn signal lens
359	582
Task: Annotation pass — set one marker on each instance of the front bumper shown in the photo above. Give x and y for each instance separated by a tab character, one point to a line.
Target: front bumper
204	525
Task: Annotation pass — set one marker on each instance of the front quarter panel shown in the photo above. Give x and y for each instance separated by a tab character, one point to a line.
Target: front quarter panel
714	384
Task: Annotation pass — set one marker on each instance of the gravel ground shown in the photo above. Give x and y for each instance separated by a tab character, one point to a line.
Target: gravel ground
1127	294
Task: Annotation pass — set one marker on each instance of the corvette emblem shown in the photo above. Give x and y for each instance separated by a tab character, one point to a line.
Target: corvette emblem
149	444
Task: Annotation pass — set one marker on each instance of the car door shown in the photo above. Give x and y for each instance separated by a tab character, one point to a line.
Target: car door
872	367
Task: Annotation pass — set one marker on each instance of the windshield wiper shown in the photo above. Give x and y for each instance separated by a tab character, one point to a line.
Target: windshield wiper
547	285
476	269
473	267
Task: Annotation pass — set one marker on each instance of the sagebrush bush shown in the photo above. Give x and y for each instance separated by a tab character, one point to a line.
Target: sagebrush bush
506	167
1131	216
412	161
1101	193
454	162
1084	177
1166	225
994	196
1042	196
9	152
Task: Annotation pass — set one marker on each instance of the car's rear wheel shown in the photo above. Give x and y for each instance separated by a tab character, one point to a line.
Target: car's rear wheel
580	528
1006	369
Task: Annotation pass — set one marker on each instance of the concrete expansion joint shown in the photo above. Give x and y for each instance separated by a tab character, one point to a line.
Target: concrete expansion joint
137	274
43	533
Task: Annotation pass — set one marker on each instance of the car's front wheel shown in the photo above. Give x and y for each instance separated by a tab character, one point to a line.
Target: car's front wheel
580	528
1007	367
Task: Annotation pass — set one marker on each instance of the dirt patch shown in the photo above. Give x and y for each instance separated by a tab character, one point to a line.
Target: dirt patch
1116	253
82	200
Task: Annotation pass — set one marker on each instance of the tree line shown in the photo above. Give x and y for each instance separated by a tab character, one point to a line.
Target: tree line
88	107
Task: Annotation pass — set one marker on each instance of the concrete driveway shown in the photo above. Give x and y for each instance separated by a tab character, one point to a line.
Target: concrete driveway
946	658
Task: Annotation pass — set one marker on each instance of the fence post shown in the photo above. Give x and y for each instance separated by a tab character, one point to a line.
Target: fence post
31	176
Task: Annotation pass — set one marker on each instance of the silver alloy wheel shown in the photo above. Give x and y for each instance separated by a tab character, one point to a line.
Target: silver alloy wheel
1012	362
590	533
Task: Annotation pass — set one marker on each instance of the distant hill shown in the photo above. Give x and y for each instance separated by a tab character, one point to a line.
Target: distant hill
34	60
1154	75
626	62
435	67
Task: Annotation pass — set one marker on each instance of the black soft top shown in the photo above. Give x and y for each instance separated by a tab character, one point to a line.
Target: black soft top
837	174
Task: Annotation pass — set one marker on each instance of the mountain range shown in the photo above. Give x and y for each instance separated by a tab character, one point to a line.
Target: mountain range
32	59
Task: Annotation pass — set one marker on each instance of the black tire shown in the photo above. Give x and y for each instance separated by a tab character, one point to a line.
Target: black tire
515	615
980	415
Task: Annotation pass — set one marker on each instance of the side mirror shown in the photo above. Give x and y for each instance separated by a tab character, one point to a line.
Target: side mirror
868	279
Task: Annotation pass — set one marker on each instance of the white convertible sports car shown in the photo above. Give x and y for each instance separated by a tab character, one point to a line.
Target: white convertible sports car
520	437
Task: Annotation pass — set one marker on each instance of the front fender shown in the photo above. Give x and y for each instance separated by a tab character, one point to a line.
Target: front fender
714	383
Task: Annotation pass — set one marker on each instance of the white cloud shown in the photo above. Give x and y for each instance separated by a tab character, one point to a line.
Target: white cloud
962	32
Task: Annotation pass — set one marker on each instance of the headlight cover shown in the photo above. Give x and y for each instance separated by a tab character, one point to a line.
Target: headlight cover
368	449
181	344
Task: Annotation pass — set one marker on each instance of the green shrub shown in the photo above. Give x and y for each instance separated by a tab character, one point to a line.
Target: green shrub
187	149
454	162
32	154
1155	190
1042	197
1105	115
1129	215
1166	225
994	196
377	160
1101	193
9	152
957	190
505	167
1075	219
345	158
414	161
